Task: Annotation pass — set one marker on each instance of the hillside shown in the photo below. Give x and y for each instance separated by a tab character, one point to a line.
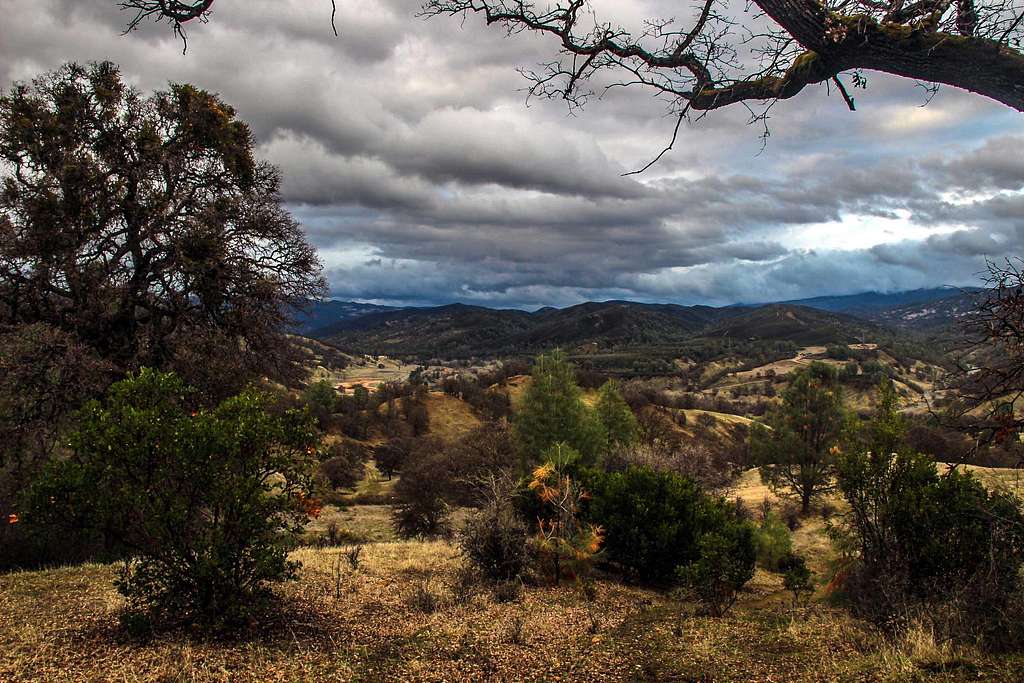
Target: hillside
613	326
797	324
932	316
870	304
455	330
321	314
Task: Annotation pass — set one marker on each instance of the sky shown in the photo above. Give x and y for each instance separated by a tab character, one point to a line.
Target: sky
423	176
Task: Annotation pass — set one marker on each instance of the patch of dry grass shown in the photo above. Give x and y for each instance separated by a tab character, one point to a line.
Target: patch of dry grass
406	614
450	418
60	625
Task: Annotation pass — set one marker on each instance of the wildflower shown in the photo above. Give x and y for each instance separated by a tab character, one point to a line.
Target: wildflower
12	518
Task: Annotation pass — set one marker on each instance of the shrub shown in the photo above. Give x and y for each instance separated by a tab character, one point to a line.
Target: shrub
796	577
487	450
422	494
690	458
344	467
652	520
925	539
203	498
726	563
774	543
322	399
495	539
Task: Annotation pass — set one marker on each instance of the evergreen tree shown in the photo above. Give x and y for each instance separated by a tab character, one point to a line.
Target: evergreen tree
796	451
552	411
618	420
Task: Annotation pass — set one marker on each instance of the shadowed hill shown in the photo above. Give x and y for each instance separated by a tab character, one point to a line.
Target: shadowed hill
798	324
461	331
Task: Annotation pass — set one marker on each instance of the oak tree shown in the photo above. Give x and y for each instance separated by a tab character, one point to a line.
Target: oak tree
145	227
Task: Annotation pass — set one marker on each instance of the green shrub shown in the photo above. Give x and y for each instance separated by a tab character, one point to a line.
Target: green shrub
925	538
796	577
652	520
774	544
204	499
423	510
726	563
344	467
322	400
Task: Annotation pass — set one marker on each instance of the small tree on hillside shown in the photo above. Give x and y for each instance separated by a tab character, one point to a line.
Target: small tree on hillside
322	399
796	450
552	411
618	420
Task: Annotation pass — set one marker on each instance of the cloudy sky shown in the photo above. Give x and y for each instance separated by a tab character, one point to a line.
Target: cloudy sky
416	167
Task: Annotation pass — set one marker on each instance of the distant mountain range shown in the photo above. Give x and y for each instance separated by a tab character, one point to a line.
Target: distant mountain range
869	304
459	330
322	314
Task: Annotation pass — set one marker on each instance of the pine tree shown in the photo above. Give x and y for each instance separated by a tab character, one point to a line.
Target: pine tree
618	420
552	411
796	451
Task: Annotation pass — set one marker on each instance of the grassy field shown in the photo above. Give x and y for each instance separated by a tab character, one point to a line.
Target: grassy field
404	614
408	614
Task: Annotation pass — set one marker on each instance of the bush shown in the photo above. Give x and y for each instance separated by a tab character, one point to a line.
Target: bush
726	563
344	467
926	539
487	450
652	520
422	494
495	539
774	544
796	577
203	498
322	399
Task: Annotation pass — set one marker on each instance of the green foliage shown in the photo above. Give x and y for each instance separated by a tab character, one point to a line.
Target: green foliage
203	499
186	257
796	450
922	538
774	543
322	400
344	466
796	577
927	535
726	562
423	510
552	411
886	431
652	520
620	424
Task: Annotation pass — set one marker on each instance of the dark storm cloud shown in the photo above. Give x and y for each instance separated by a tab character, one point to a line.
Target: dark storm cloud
410	158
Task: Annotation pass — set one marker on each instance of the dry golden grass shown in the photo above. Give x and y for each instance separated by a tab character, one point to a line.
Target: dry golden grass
405	615
60	625
450	418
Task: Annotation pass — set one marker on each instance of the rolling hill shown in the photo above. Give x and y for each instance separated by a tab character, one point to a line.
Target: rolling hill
321	314
872	304
459	331
798	324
